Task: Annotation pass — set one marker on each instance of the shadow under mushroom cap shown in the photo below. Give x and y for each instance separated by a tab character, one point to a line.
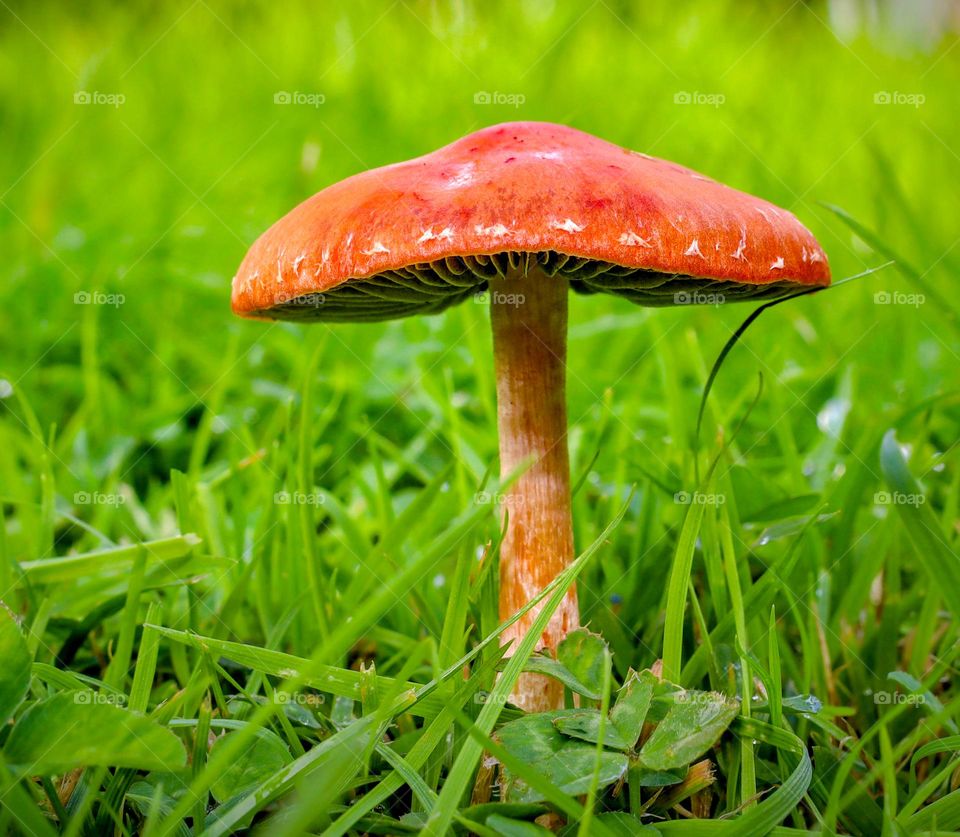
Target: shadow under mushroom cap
432	287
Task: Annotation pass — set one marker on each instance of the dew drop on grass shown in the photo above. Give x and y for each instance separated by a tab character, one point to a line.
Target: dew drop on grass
69	238
830	419
309	156
6	388
806	330
928	354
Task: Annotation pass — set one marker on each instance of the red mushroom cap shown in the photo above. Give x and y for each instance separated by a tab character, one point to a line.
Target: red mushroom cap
420	235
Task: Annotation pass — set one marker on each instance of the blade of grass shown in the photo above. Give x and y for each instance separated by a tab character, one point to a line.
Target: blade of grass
432	736
336	681
200	736
306	511
120	664
586	822
677	591
837	800
116	561
458	779
21	806
426	795
907	270
332	763
759	597
748	768
735	337
933	552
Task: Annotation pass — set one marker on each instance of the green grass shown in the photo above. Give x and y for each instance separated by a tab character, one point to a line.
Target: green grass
340	648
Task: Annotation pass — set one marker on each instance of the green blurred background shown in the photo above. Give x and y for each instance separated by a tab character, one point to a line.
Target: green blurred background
145	146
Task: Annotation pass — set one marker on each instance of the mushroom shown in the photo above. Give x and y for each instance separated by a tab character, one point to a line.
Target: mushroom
523	212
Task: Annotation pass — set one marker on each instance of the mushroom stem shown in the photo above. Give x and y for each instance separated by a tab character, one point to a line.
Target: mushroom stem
528	311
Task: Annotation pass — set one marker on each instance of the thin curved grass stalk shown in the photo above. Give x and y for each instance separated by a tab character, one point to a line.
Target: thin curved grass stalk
735	337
